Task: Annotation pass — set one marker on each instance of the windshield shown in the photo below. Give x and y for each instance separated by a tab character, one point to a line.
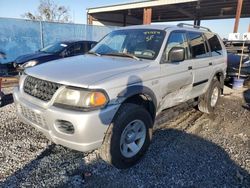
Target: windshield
141	43
54	48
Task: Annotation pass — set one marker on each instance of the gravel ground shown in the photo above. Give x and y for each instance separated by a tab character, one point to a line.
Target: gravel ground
189	149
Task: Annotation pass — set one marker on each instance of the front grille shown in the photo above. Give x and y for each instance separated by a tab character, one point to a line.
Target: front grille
32	116
41	89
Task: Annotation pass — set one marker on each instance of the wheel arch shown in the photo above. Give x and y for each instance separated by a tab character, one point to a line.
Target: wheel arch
140	95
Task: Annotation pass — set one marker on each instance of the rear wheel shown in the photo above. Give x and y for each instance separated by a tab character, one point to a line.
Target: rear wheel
128	137
209	100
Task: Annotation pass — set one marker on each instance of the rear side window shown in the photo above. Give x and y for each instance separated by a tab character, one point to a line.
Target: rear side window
197	45
214	44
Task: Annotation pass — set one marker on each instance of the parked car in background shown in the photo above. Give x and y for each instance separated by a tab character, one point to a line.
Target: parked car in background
110	97
233	64
54	51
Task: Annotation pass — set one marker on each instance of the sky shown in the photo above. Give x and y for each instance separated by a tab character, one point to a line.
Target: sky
16	8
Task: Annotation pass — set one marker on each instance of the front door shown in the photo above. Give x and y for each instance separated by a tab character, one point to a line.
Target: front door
176	77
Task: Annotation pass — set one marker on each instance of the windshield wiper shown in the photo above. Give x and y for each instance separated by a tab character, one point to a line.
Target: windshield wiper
94	53
123	55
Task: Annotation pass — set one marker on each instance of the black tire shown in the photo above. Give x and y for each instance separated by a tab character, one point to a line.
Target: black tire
205	100
110	150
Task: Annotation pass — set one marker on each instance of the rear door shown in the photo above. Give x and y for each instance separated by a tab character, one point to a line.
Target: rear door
176	77
201	59
218	58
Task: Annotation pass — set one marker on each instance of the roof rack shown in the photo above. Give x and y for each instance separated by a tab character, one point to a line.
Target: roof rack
194	26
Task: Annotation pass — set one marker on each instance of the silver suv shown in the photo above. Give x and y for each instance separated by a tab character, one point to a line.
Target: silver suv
110	97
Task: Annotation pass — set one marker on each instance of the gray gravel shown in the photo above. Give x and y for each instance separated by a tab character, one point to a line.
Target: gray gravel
189	149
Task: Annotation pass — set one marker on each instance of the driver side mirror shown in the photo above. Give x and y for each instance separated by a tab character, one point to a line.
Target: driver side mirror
176	54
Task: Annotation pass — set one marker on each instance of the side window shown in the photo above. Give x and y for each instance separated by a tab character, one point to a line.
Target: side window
197	45
78	49
85	47
214	44
75	49
177	39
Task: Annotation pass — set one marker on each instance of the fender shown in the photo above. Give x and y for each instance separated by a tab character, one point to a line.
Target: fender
138	89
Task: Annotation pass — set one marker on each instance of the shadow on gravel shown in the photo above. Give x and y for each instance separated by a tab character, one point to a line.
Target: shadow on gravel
174	159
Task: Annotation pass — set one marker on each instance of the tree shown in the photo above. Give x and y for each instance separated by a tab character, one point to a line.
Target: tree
49	11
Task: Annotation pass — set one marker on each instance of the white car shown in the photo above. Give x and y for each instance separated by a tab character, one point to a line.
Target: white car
110	97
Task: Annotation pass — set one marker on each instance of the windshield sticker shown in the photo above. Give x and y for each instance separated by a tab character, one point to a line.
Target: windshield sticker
152	33
149	38
63	45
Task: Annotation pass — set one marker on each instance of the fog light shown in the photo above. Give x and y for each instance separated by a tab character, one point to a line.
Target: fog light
65	126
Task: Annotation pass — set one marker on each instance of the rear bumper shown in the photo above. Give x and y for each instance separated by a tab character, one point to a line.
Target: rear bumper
89	127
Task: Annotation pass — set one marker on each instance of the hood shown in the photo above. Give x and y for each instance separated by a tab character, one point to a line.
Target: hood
84	70
33	56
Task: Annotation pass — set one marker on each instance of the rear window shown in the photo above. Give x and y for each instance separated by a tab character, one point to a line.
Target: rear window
214	44
197	45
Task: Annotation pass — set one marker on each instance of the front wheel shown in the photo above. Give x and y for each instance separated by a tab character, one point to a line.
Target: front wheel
128	137
209	100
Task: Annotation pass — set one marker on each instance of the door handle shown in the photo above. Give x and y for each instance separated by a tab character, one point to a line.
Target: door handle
190	67
210	64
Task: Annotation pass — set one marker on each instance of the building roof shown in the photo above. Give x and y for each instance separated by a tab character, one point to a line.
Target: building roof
135	5
167	10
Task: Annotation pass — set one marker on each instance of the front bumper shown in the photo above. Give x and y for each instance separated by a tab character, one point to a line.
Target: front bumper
89	127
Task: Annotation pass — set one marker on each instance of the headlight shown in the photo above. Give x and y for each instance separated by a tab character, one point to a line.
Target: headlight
29	64
76	98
